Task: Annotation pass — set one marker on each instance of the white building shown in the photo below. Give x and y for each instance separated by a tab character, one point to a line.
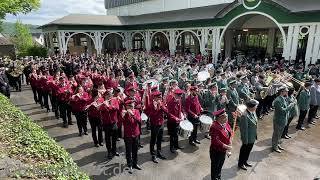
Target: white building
221	28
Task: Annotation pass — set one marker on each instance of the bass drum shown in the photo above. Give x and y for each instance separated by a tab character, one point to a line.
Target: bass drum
206	122
185	129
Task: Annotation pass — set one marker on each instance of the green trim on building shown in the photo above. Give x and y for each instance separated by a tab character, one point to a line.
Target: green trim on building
279	13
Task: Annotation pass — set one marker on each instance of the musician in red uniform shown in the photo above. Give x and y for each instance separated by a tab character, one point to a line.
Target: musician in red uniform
33	82
46	78
133	95
156	111
132	82
54	96
174	106
220	132
78	104
131	123
94	117
64	93
39	84
109	117
193	110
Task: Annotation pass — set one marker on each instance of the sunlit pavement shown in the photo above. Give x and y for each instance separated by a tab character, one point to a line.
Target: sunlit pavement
300	160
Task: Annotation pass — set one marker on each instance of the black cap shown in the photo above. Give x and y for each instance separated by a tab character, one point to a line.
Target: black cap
252	103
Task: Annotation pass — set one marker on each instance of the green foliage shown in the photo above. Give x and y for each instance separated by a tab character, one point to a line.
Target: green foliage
10	30
23	38
36	51
17	6
27	142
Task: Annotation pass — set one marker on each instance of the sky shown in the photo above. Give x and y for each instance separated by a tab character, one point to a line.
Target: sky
53	9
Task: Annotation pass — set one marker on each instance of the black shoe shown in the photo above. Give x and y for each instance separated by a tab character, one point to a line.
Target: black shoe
281	148
207	136
70	123
140	146
247	164
96	145
154	159
277	150
65	125
116	154
243	167
80	134
197	141
192	144
288	136
101	144
159	155
110	156
137	167
285	137
312	122
85	133
180	147
130	170
301	128
173	150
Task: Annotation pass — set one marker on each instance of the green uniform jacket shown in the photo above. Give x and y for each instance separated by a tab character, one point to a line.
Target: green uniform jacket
304	100
248	127
281	111
233	97
244	92
220	105
210	102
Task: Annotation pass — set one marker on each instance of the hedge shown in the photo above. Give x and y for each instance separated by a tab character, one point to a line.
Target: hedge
22	139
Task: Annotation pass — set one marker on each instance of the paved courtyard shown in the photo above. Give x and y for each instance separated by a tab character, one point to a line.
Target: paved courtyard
300	160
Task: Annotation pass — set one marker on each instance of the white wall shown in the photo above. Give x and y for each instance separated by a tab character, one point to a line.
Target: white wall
155	6
259	22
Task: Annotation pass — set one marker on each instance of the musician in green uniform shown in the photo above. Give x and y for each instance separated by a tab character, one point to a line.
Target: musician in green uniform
292	113
163	85
280	118
210	98
304	105
248	130
233	98
222	99
244	90
299	74
223	83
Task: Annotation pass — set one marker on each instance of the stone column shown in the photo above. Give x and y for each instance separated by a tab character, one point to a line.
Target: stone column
228	35
172	42
147	40
271	40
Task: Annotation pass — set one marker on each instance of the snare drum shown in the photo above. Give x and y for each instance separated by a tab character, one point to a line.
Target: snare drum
185	129
206	122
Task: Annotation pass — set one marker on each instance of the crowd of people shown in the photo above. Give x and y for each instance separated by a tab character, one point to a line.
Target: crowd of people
116	92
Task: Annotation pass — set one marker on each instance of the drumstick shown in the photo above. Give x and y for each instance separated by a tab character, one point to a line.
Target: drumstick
233	131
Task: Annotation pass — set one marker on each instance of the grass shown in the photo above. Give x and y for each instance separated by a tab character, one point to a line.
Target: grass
22	139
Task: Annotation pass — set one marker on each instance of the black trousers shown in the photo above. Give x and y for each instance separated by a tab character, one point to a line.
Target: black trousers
285	131
5	90
194	134
40	97
302	116
269	100
111	135
131	144
35	96
245	151
312	113
81	118
65	112
45	96
55	105
156	138
95	124
217	161
173	129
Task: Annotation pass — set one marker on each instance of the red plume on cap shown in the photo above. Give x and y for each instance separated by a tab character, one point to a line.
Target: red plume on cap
219	112
178	91
156	93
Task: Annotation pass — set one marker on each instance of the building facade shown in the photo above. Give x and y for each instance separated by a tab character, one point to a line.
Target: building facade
219	28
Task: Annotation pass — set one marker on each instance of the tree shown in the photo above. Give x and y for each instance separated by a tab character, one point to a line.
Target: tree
23	38
17	6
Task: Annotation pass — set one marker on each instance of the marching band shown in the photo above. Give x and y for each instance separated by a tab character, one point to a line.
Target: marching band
119	94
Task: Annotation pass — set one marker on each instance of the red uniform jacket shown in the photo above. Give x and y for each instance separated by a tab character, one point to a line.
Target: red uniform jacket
96	78
64	92
131	124
47	86
174	110
156	114
42	83
78	104
137	101
33	80
93	112
219	136
193	106
109	114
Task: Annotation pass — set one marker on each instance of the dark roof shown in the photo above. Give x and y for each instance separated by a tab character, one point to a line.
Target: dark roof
5	41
